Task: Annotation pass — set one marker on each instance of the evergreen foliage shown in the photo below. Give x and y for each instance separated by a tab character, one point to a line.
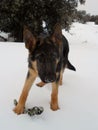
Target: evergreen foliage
14	14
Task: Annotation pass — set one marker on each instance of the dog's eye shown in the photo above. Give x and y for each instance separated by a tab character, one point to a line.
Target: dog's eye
39	55
38	42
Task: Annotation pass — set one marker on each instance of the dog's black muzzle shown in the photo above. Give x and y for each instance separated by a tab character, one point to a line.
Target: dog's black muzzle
48	78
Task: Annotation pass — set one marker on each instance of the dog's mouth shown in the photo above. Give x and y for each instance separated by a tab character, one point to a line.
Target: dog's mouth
48	79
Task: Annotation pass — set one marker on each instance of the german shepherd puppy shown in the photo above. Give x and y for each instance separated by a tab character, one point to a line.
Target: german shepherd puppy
48	57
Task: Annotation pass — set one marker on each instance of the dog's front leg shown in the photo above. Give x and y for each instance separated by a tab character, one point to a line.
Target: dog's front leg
28	83
54	96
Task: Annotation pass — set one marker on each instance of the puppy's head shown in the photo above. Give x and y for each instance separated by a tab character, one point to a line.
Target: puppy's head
45	51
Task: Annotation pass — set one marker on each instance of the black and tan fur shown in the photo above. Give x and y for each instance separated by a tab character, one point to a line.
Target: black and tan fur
48	57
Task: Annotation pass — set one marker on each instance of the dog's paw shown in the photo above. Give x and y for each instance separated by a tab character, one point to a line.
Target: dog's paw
18	109
54	107
41	84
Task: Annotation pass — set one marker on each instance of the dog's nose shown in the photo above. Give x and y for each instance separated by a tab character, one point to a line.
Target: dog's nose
48	79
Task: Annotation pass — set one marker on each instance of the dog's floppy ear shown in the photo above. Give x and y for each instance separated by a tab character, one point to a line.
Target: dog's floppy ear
57	34
29	39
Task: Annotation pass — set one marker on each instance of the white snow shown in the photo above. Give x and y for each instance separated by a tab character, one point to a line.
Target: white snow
78	96
5	35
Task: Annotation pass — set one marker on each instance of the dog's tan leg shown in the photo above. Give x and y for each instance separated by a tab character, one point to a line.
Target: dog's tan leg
28	83
54	96
40	84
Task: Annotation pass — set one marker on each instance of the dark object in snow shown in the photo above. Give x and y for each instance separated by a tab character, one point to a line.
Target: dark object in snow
31	111
35	111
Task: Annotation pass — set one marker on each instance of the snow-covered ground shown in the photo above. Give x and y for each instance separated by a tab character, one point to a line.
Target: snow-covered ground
78	96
